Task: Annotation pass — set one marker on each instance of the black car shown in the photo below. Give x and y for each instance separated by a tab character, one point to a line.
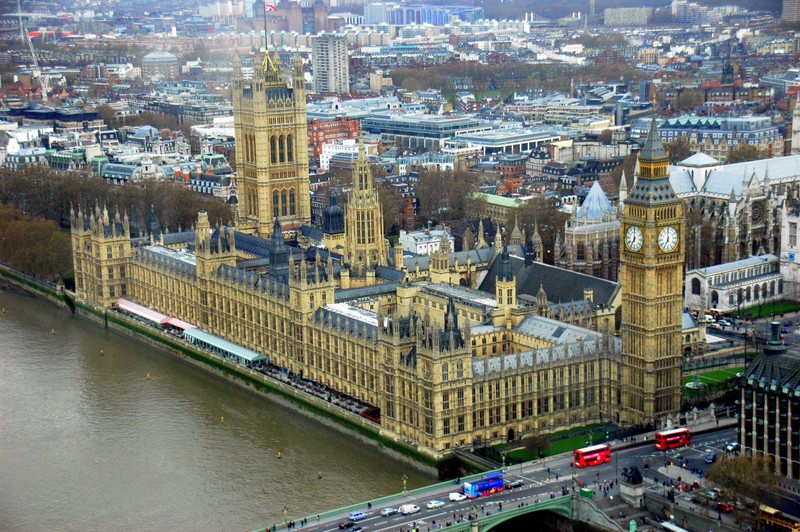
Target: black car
711	458
347	523
514	484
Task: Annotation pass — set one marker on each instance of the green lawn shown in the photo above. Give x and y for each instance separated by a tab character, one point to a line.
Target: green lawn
715	377
560	444
769	309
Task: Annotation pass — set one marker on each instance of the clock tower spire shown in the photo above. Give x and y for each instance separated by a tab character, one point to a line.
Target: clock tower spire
651	275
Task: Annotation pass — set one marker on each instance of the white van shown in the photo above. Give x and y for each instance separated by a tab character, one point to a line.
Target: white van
408	509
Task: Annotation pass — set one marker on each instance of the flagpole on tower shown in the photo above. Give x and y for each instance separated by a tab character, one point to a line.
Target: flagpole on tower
264	6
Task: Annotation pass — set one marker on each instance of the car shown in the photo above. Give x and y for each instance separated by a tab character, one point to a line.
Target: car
430	505
711	458
712	495
356	529
357	515
386	512
347	523
723	507
715	326
456	496
514	484
725	322
408	509
733	447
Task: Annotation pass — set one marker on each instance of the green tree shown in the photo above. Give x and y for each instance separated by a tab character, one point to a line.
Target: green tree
444	195
748	478
538	444
605	137
744	152
541	212
678	149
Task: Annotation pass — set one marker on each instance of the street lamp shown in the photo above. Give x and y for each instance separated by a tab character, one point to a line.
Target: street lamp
405	480
285	513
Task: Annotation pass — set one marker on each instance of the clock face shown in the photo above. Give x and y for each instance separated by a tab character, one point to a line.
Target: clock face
668	239
633	238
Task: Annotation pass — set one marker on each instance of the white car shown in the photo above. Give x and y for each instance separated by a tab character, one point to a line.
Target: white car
386	512
433	504
456	496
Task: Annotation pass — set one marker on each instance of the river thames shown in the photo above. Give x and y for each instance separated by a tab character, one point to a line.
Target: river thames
89	442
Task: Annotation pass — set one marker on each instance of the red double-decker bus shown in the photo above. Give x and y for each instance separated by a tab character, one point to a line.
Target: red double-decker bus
592	456
669	439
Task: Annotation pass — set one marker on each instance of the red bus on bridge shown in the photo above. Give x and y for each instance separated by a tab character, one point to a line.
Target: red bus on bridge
669	439
593	455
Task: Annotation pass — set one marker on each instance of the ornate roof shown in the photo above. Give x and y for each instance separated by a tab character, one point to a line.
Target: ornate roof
596	206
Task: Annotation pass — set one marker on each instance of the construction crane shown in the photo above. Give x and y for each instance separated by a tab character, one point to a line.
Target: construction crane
44	82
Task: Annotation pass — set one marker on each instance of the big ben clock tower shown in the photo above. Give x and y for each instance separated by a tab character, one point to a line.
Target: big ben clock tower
651	275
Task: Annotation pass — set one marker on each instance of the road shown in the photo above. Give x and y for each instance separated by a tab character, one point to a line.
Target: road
539	484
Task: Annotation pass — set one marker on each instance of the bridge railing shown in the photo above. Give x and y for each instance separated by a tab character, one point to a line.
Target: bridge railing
381	502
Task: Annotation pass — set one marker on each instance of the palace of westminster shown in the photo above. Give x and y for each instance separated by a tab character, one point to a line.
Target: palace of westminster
454	349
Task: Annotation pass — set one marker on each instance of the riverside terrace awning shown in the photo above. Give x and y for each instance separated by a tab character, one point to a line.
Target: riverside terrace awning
143	312
224	348
180	324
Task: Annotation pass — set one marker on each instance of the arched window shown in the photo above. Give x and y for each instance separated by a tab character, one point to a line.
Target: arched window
731	299
747	294
283	203
273	150
289	148
714	298
696	286
282	149
756	291
275	204
292	209
445	373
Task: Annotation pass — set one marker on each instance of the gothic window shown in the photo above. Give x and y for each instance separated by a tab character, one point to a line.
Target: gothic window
273	150
289	148
696	286
446	426
109	252
275	204
283	203
121	250
445	373
445	401
282	149
459	370
292	208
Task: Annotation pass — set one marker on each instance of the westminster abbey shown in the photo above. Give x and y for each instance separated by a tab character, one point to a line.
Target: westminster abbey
446	364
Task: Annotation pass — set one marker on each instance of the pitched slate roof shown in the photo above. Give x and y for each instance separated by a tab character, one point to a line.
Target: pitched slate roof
559	284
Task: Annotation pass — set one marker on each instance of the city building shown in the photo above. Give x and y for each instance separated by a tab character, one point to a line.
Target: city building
424	242
731	286
321	132
592	236
790	11
651	274
444	365
330	64
420	130
717	136
770	406
160	65
627	16
271	147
